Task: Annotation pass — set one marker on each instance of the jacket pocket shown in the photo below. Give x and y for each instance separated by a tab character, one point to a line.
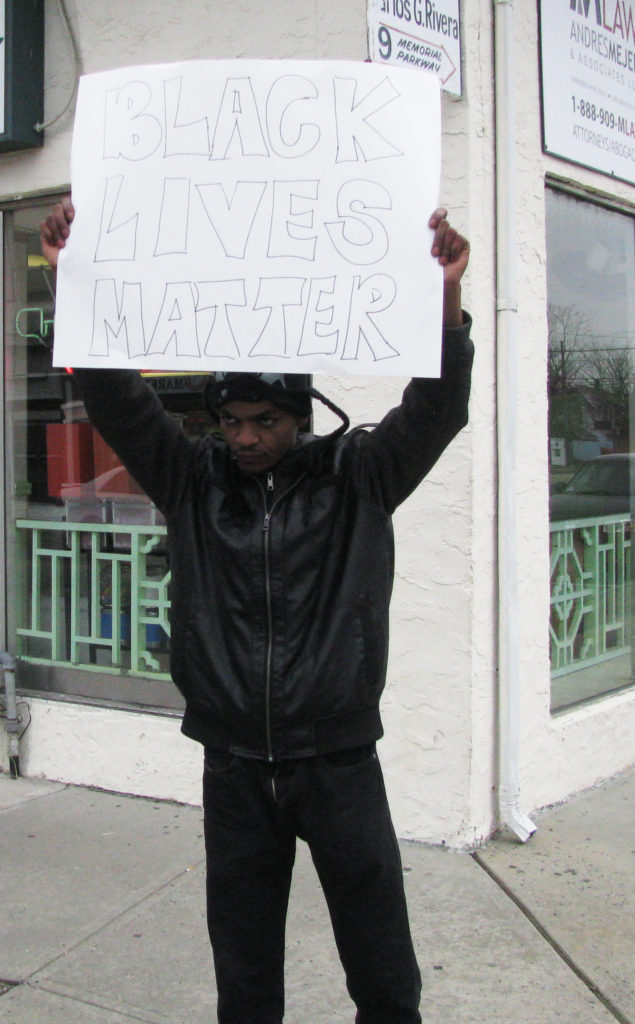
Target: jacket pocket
375	639
217	761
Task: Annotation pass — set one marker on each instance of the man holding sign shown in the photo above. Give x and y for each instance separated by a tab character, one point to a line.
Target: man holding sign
281	551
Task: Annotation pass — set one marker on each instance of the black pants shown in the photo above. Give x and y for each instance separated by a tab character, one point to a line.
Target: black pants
337	804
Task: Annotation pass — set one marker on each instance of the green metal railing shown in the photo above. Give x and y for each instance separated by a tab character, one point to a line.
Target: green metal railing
93	596
590	592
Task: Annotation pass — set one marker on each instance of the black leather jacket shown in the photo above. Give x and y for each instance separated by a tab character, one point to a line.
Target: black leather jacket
281	585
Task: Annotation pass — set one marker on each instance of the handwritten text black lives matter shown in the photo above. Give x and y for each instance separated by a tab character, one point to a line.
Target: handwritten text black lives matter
345	218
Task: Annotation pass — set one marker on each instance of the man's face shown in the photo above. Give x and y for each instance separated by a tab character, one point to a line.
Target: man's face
258	434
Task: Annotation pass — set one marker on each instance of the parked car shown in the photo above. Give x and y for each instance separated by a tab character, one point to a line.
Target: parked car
603	486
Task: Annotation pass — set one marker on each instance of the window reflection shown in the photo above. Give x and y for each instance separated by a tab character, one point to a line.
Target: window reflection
591	364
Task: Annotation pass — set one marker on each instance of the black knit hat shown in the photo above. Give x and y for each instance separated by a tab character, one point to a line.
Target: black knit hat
290	391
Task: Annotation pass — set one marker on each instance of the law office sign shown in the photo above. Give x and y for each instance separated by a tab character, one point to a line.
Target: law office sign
422	34
588	83
21	73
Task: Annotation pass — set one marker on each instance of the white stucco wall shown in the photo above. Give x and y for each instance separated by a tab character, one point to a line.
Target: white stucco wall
440	749
123	751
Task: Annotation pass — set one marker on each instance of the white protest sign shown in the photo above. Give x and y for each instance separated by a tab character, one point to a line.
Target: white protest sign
259	215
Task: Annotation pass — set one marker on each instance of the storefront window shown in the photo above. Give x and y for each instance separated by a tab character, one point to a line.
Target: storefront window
87	570
591	362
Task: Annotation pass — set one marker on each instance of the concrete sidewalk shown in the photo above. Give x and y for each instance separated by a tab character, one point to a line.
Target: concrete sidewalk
102	918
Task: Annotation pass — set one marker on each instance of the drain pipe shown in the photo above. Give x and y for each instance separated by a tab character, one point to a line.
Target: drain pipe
13	725
510	813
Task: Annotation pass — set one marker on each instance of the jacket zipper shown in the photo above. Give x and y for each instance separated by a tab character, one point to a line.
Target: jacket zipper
269	657
265	528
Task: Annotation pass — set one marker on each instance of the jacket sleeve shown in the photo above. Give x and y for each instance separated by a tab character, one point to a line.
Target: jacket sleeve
396	456
131	419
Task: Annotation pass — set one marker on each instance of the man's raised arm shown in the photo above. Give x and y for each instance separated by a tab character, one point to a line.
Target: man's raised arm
452	251
402	449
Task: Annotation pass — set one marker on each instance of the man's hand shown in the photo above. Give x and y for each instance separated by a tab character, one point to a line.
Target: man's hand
452	251
55	230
